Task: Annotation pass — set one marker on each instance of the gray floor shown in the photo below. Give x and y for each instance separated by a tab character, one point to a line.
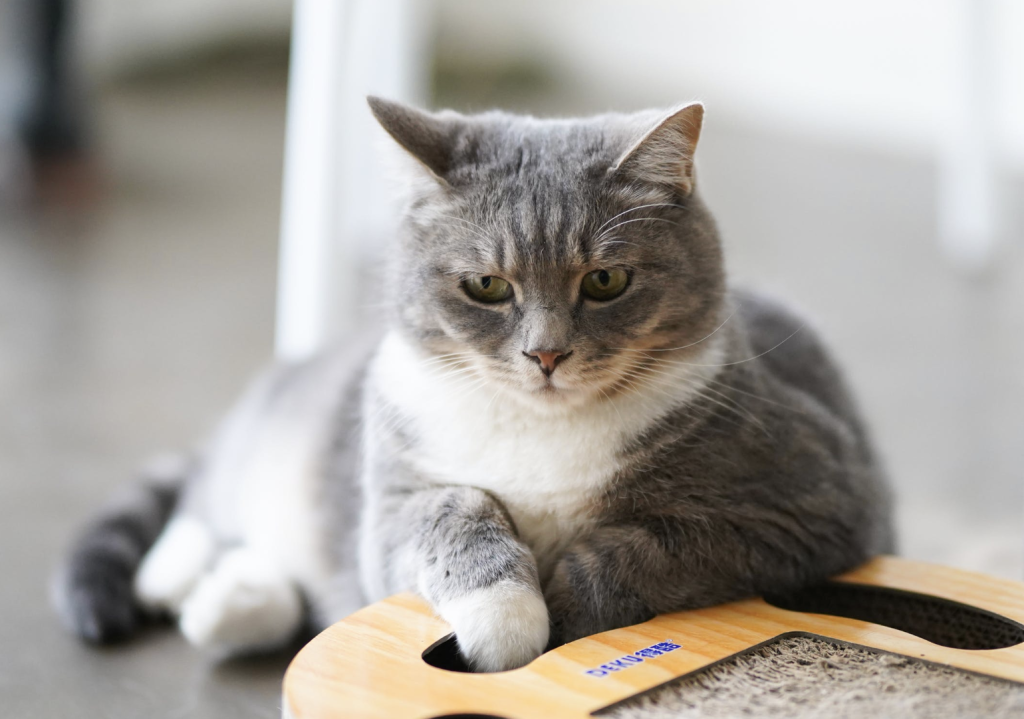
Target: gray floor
123	334
129	332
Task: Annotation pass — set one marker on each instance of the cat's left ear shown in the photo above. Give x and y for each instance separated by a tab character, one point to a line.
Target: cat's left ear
664	154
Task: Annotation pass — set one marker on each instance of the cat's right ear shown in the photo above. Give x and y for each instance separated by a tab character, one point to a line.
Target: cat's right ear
429	138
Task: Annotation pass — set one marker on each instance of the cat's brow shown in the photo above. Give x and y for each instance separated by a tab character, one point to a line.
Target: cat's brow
463	270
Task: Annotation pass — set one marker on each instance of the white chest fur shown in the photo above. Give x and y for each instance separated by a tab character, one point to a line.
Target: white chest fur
546	466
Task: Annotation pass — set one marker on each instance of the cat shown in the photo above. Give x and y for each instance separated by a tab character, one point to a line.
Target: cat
570	423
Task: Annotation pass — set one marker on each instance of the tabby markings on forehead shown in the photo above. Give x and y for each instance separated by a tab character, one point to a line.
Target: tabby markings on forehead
546	466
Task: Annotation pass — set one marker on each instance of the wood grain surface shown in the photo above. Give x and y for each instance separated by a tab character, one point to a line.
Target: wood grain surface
370	664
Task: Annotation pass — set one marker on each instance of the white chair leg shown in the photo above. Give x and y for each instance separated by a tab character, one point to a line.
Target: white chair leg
967	169
334	203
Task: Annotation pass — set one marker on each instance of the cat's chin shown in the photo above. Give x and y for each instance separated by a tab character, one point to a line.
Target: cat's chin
551	397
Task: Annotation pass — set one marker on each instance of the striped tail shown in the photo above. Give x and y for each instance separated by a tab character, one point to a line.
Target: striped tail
93	592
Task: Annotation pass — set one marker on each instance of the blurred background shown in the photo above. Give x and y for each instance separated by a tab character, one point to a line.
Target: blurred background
865	162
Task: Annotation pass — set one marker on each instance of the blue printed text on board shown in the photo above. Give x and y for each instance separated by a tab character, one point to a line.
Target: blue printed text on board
617	665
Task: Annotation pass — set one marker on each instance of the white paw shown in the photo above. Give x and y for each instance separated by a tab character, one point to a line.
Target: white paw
245	604
500	627
174	564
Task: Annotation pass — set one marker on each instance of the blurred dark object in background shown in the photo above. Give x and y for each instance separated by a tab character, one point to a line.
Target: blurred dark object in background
47	157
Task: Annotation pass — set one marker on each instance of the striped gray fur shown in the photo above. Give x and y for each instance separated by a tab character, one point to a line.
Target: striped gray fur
541	467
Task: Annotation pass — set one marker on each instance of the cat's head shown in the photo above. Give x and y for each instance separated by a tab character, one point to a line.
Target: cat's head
557	258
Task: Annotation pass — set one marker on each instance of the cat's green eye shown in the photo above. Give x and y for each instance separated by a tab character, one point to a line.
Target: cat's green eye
487	289
605	284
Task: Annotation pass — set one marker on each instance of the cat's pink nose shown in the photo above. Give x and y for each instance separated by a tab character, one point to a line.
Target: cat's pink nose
547	359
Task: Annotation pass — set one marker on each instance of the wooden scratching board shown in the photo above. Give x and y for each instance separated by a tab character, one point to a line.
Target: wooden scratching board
396	660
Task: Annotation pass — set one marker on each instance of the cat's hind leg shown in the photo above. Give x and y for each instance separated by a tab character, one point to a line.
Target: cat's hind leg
174	564
247	603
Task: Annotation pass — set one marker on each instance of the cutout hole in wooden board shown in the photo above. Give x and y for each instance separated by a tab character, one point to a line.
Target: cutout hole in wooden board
940	621
444	654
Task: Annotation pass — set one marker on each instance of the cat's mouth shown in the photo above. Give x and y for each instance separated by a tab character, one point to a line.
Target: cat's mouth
554	391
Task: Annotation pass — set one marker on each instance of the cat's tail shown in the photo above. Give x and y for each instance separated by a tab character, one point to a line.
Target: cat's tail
93	591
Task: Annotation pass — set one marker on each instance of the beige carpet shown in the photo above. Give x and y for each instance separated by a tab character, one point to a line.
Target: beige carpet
802	676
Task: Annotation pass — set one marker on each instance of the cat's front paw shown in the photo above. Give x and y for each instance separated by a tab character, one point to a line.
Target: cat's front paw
500	627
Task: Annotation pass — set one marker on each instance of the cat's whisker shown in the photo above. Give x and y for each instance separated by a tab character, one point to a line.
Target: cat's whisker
633	386
491	400
757	396
737	407
470	387
682	347
612	403
702	390
463	220
742	361
635	209
611	242
644	379
459	375
663	389
611	229
386	418
460	353
461	378
729	405
455	361
476	231
454	372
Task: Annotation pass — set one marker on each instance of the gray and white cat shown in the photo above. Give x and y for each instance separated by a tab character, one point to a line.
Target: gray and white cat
570	424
